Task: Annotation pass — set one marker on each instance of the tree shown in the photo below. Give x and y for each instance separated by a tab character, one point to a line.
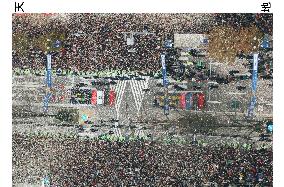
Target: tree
226	42
46	42
20	44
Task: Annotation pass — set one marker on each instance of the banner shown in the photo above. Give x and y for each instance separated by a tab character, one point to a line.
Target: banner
112	98
254	72
48	65
106	96
254	85
164	72
165	103
182	100
166	106
100	97
251	106
188	101
165	83
48	82
200	101
94	97
46	101
48	78
48	70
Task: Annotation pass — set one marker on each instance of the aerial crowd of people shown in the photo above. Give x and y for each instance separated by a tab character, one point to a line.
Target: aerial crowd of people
99	42
96	42
72	161
102	42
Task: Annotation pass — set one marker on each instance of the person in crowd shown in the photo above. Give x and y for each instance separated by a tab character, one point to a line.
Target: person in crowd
72	161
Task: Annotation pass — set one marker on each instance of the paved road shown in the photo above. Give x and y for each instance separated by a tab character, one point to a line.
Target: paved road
135	105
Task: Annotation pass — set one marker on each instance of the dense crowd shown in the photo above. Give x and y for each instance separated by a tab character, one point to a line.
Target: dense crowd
71	161
102	44
262	21
95	42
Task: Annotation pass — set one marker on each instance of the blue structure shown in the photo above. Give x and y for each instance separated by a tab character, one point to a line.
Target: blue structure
265	42
57	44
46	101
48	83
188	101
165	83
164	71
269	127
168	43
254	85
166	106
254	73
46	181
48	71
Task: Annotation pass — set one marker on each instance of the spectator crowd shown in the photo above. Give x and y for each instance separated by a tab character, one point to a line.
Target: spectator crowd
95	44
97	41
72	161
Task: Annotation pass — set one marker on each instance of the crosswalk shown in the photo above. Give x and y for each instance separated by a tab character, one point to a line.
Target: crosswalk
119	90
137	89
117	132
139	133
135	93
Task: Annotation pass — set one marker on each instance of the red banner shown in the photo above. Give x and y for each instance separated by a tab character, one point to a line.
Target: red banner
201	100
182	101
94	97
112	97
